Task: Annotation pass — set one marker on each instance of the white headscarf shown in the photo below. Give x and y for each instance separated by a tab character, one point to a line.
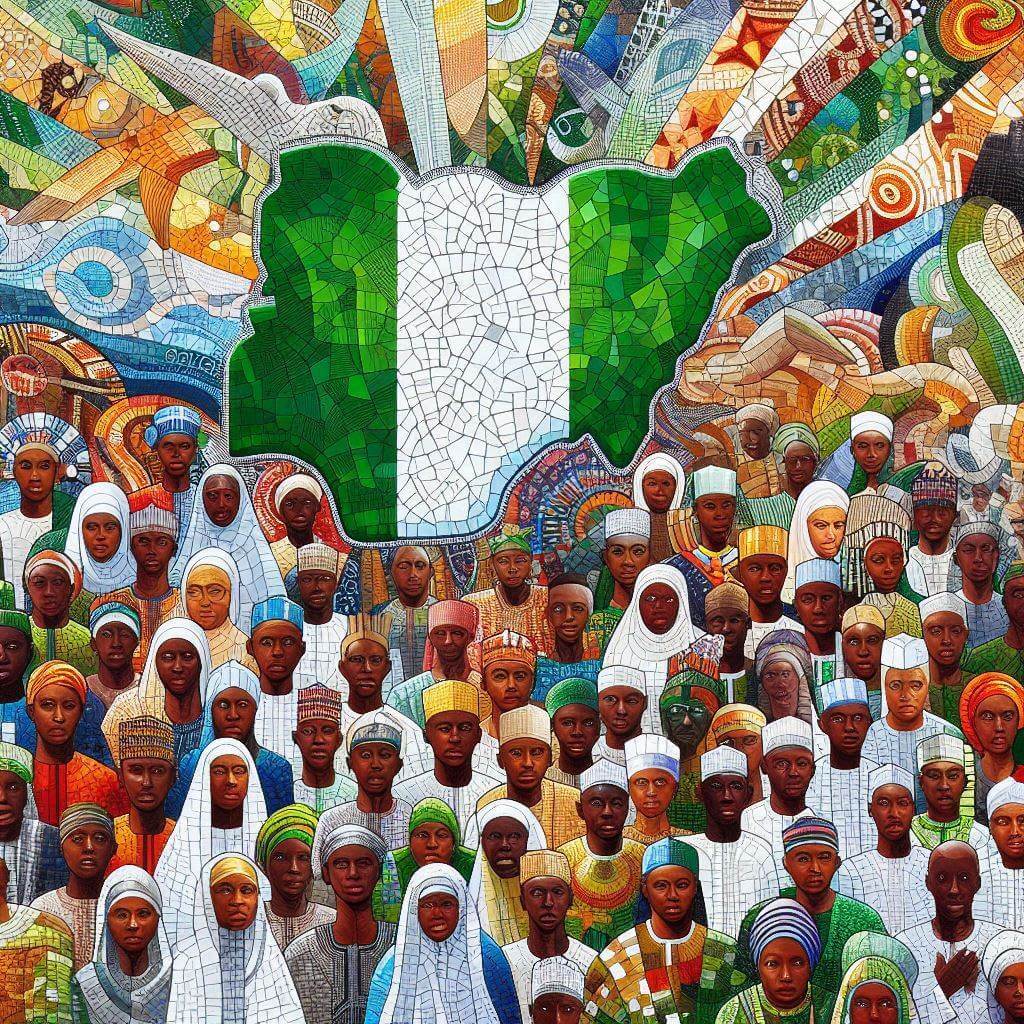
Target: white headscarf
196	991
243	539
633	644
438	982
240	606
112	997
191	843
117	571
654	463
818	494
1002	951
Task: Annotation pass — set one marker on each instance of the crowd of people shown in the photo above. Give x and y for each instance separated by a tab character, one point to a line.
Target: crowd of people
760	768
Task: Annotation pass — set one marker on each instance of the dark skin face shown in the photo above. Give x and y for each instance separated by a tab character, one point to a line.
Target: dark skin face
1013	600
178	666
229	782
114	644
862	649
812	867
885	562
546	900
943	783
874	1003
621	708
781	682
576	727
524	761
789	771
37	473
1009	991
233	713
762	577
449	641
715	513
290	868
977	555
755	440
221	499
1007	828
56	711
819	606
316	588
686	723
152	551
945	636
733	625
101	534
352	872
277	648
871	450
50	591
725	797
785	973
568	612
846	727
147	781
556	1008
375	766
651	791
453	736
892	810
132	923
953	879
411	574
996	722
800	462
318	740
512	567
365	664
176	453
15	654
604	810
934	522
503	842
508	683
659	607
432	843
87	851
625	558
299	509
670	890
438	915
659	489
13	798
235	899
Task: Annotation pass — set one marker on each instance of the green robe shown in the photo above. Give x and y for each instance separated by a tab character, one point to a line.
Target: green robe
752	1007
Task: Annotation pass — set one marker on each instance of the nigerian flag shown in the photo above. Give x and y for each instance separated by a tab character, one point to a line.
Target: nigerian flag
420	341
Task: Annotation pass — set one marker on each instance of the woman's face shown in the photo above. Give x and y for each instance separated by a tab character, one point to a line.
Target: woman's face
1009	991
178	666
996	722
884	560
438	915
234	901
101	534
782	684
874	1003
659	490
651	791
132	923
659	607
229	782
432	843
800	460
233	713
826	529
208	597
871	450
221	498
504	842
785	972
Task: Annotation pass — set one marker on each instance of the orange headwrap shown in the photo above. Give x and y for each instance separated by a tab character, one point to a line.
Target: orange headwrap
58	672
981	688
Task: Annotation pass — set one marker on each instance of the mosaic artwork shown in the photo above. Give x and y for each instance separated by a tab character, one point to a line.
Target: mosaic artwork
512	511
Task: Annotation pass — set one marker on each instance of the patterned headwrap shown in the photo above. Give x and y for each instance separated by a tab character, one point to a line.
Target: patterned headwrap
82	815
346	834
58	673
785	919
318	702
1014	570
872	517
527	722
793	433
101	611
363	626
374	728
735	718
294	821
935	485
783	645
810	831
317	557
573	690
17	760
173	419
16	620
760	411
59	561
726	597
545	864
557	974
664	852
144	736
151	518
511	537
980	688
763	540
508	646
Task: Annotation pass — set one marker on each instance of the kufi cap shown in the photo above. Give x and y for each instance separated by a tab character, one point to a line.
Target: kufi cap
627	522
664	852
13	619
317	557
511	537
60	561
843	691
819	570
294	821
722	760
436	812
318	702
277	609
605	773
983	528
574	690
144	736
934	485
82	815
450	695
904	652
1003	950
528	722
545	864
59	673
366	626
173	419
732	718
233	674
557	975
889	775
810	831
763	540
508	646
621	675
152	518
17	760
102	611
651	751
863	615
793	433
759	411
942	746
346	834
230	864
1007	791
297	482
786	732
785	919
374	727
725	597
713	480
864	422
453	612
943	602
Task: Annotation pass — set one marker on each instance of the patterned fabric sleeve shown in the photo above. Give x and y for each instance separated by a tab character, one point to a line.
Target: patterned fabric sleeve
500	986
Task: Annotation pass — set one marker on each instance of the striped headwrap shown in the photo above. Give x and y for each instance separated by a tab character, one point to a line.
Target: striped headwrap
785	919
810	831
294	821
59	673
144	736
82	815
59	561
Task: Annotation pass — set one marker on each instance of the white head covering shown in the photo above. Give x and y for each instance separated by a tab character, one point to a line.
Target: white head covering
648	750
862	422
242	539
722	760
438	982
944	602
117	571
904	652
889	775
240	607
196	991
1003	951
818	494
658	462
635	645
192	841
713	480
627	522
1006	791
181	628
111	997
557	974
786	732
295	482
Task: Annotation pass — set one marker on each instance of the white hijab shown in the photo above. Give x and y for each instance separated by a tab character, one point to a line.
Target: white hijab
243	539
117	571
438	982
654	463
112	997
191	842
196	991
818	494
240	605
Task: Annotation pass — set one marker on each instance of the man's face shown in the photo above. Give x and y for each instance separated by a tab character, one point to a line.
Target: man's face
885	561
1007	828
1013	600
762	577
953	879
410	572
375	766
503	842
819	606
670	890
449	641
789	771
725	797
945	636
715	513
15	654
943	783
13	798
512	567
733	624
147	781
846	727
114	644
576	727
508	683
56	711
36	473
233	713
176	452
316	589
812	867
977	556
453	736
621	708
906	693
277	648
152	551
754	439
524	762
651	791
546	900
87	851
352	872
299	509
556	1008
862	649
874	1002
686	722
365	664
50	590
432	843
626	557
178	666
604	810
871	450
290	868
892	810
748	743
800	461
1009	991
318	740
933	522
568	612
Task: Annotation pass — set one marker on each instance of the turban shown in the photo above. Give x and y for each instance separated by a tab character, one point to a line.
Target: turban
1003	951
277	609
16	620
713	480
785	919
865	422
318	702
450	695
436	812
511	538
529	722
722	761
453	612
17	760
82	815
843	691
795	433
783	645
651	751
152	518
786	732
59	561
557	975
346	834
761	412
604	773
103	611
375	726
736	717
934	485
980	688
724	598
763	540
889	775
627	522
295	482
173	419
545	864
942	746
363	626
508	646
317	557
58	673
144	736
810	831
1014	570
664	852
1007	791
229	864
571	691
943	603
294	821
863	615
819	570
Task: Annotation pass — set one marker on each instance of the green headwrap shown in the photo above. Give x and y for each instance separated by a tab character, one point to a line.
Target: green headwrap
17	760
16	620
437	812
1014	570
511	536
790	433
295	821
571	691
